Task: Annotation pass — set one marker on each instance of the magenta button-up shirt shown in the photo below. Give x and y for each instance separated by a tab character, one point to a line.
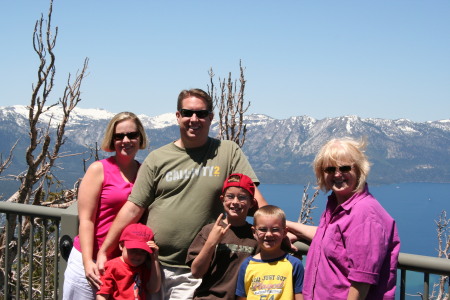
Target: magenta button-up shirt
356	241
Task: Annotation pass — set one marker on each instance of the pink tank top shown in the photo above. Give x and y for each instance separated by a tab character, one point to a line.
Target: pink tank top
114	193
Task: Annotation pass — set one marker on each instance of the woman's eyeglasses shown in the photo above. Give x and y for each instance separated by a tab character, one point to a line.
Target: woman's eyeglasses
130	135
342	169
199	113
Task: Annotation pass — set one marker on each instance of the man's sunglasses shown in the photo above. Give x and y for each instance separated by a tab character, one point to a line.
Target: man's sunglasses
199	113
342	169
130	135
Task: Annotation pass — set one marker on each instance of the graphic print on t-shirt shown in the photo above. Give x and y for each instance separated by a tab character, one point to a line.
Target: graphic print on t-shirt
204	171
268	285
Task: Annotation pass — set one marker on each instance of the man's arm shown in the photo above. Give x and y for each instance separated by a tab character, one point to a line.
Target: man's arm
259	198
129	213
102	297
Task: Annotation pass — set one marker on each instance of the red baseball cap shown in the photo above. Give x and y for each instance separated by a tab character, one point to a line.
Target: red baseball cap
239	180
136	236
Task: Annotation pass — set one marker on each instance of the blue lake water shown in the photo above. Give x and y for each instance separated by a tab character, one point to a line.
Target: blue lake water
414	206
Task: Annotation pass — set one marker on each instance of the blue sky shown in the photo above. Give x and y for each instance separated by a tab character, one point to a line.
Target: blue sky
384	59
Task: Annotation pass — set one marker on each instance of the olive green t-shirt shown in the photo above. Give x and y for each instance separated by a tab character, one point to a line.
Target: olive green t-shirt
181	188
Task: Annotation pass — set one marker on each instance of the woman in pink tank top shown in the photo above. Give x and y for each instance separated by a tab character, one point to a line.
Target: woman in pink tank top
103	191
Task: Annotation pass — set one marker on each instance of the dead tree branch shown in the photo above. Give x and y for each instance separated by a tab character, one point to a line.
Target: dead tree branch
440	290
443	235
307	206
230	105
4	164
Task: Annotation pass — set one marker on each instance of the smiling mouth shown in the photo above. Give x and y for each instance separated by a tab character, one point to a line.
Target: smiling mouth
269	242
236	209
339	182
194	128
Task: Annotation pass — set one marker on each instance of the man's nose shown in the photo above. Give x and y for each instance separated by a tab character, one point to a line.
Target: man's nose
194	117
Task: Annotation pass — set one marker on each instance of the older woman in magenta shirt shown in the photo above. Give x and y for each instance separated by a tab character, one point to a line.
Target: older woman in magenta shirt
354	250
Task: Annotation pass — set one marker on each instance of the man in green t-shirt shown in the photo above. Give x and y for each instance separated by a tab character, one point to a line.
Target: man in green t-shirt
179	186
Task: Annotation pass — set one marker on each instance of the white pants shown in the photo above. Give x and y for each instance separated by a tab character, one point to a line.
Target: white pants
76	286
176	284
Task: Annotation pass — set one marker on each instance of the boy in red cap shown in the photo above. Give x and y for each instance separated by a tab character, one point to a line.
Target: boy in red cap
136	272
219	248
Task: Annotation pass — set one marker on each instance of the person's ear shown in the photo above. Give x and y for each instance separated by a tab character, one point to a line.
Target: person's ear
211	116
178	116
121	246
254	232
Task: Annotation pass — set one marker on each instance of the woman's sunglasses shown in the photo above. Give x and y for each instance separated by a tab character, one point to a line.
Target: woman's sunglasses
199	113
130	135
342	169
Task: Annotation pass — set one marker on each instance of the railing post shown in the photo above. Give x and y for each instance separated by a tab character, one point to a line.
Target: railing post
426	285
7	265
69	228
403	284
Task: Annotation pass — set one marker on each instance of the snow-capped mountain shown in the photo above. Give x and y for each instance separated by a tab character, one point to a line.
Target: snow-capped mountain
280	151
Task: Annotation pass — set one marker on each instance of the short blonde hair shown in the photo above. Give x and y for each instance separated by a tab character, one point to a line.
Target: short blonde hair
108	140
270	210
340	151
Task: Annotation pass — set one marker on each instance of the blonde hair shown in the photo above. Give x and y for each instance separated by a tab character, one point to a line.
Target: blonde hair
108	139
342	151
270	210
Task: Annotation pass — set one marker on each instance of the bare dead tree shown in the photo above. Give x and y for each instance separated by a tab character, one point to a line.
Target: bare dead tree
44	142
443	234
230	104
40	164
307	206
439	291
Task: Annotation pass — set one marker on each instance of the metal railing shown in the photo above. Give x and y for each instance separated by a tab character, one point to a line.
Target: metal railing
410	262
39	229
64	224
425	264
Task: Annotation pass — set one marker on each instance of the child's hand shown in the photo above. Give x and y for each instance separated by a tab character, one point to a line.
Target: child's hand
155	249
217	232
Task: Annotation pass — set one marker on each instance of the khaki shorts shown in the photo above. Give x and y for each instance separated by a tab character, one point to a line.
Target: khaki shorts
176	283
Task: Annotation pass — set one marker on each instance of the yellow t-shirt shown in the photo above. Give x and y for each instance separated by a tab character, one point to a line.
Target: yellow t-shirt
276	279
